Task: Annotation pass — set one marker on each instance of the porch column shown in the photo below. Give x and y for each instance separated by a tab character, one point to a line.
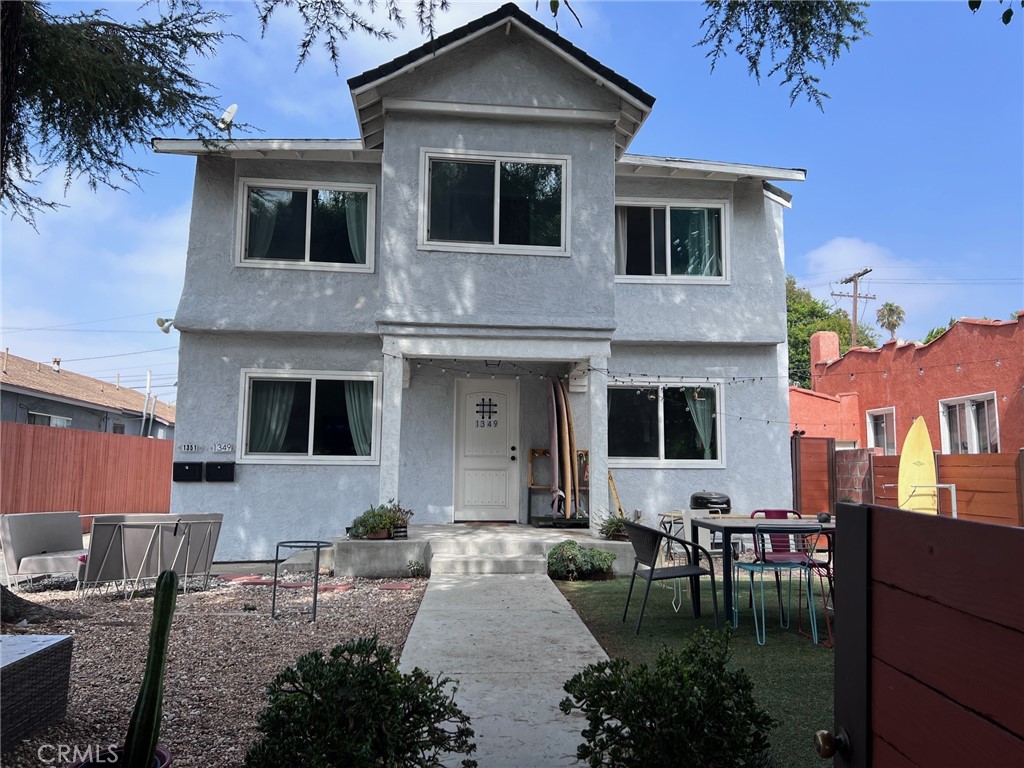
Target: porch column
391	427
597	391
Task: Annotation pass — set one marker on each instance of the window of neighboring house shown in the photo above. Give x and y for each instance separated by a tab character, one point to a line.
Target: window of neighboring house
673	422
676	241
118	429
970	424
498	204
315	226
882	430
298	416
46	420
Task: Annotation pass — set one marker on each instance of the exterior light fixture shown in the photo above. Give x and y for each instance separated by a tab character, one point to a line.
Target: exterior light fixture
165	324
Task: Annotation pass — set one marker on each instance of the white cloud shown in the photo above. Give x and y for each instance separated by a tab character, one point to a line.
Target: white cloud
107	256
912	284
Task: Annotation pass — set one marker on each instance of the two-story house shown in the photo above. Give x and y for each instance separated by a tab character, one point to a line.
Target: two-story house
349	304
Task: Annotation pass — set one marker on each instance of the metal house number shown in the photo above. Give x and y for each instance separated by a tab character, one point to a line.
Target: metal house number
487	414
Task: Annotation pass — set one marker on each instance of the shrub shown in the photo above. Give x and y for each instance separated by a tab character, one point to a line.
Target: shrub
690	709
354	708
567	560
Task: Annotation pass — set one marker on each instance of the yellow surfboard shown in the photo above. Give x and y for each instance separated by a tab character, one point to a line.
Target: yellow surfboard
917	491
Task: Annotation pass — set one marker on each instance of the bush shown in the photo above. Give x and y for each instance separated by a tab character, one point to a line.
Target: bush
689	710
355	709
567	560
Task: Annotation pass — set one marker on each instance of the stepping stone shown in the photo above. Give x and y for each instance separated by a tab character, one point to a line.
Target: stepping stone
236	576
336	587
255	581
396	585
293	584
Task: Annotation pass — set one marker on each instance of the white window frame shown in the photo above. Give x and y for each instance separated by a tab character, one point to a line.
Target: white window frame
248	374
972	420
425	244
65	420
242	214
891	413
647	462
724	205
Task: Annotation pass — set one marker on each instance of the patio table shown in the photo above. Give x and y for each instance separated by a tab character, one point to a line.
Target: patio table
727	526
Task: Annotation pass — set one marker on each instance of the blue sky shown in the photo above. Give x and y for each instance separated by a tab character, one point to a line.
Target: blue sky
915	168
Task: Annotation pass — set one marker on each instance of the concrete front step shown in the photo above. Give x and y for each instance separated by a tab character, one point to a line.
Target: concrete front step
489	546
476	564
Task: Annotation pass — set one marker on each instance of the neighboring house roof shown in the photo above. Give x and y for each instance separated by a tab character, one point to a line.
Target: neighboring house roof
28	376
636	103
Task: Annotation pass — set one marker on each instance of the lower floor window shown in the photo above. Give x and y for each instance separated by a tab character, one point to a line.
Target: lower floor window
669	422
970	425
46	420
318	415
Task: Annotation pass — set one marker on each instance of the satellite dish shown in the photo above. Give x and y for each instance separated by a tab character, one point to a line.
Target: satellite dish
227	118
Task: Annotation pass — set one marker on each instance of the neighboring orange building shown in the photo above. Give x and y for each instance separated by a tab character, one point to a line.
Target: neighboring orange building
968	384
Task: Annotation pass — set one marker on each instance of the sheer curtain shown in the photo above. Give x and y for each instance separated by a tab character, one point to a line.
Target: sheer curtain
359	403
620	240
702	249
701	410
262	216
356	204
270	409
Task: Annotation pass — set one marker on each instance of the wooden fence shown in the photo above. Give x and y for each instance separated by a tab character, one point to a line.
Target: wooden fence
928	659
989	486
43	469
814	474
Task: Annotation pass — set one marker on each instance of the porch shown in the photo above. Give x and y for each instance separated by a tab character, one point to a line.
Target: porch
458	549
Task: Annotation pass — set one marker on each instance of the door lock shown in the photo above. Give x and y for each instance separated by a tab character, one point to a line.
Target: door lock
828	745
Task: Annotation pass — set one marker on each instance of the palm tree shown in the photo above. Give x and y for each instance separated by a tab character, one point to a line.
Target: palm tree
890	316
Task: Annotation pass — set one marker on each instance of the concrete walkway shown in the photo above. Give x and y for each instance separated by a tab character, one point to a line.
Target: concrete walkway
511	640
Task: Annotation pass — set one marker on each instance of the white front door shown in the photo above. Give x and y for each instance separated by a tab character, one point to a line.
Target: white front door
486	450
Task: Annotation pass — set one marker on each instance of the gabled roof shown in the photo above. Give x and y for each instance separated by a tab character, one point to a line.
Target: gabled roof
635	103
24	375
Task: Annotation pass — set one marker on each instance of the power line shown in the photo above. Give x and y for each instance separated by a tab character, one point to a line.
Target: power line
122	354
84	322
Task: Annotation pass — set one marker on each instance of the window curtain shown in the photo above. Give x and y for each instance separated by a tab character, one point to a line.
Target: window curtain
701	411
356	204
620	240
359	402
262	216
701	242
270	410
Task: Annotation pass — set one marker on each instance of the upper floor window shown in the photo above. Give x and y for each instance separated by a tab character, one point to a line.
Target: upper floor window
667	422
970	424
675	240
508	204
312	225
297	416
881	425
47	420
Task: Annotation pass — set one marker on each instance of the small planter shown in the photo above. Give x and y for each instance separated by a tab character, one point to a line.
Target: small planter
600	576
104	758
623	536
381	534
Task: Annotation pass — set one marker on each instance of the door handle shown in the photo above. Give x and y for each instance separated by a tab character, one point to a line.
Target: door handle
828	745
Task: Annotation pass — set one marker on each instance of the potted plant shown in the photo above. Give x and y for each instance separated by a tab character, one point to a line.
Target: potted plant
382	521
140	748
612	528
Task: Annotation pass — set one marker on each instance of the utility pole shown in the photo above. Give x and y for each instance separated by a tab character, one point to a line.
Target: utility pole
856	296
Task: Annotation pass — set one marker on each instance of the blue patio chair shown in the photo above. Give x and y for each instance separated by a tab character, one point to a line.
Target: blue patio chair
647	543
779	549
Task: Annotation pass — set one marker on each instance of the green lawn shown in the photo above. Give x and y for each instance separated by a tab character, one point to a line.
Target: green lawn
793	678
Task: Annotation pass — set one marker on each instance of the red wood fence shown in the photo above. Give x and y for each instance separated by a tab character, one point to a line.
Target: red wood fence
814	474
43	469
930	659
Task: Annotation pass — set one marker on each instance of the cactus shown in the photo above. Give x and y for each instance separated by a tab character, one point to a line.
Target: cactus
144	728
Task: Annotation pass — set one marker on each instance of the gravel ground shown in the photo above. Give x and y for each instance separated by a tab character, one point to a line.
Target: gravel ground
224	650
